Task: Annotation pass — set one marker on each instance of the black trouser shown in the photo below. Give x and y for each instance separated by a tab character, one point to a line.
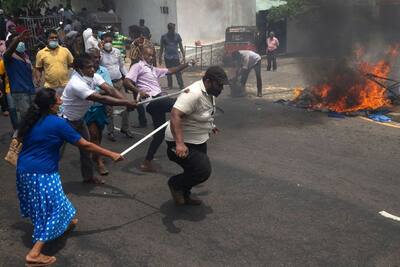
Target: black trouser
141	114
85	156
157	110
196	167
271	58
170	63
4	103
245	75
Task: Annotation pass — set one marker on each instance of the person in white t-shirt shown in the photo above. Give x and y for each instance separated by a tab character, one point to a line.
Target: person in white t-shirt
78	96
90	39
245	61
192	121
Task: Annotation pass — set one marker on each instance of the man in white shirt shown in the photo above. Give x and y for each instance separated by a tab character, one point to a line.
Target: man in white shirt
90	39
245	61
192	121
113	61
78	96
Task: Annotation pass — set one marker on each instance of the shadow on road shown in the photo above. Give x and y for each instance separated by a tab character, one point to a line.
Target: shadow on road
186	213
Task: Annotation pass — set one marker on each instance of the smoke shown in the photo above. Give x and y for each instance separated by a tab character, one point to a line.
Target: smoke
333	29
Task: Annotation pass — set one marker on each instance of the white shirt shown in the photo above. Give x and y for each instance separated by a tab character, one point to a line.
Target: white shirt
114	63
92	42
249	58
86	34
78	89
199	109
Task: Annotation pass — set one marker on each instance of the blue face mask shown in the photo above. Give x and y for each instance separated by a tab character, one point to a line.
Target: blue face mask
21	47
53	44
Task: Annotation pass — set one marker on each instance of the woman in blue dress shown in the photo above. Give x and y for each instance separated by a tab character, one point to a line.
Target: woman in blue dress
39	188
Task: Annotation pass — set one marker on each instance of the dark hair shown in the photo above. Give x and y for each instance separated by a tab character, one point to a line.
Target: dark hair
216	73
11	38
51	31
170	25
40	108
107	35
236	56
81	61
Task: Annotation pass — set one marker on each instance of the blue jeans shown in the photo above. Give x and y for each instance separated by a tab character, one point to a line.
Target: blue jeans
18	104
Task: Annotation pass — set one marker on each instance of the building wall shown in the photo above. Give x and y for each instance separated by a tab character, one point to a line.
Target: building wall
131	11
207	20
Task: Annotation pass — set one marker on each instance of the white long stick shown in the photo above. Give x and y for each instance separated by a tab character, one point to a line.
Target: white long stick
144	138
161	97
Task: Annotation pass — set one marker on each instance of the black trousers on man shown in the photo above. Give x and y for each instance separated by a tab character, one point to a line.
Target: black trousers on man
271	59
170	63
158	109
196	167
245	75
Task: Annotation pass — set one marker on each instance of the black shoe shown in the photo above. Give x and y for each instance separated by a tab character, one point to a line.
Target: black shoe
111	137
192	202
127	133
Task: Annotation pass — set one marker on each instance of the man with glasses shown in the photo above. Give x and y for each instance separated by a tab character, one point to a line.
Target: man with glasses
192	121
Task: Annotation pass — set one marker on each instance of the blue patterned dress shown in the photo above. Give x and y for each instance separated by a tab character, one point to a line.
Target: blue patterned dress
39	188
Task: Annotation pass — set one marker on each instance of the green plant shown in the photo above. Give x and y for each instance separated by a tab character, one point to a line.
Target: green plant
12	6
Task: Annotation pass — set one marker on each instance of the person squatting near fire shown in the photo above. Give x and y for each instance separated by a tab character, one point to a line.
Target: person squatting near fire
142	78
40	193
192	121
245	61
77	99
272	46
112	59
96	117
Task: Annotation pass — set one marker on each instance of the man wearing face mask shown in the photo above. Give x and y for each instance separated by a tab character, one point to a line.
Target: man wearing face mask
19	71
55	61
192	122
142	79
78	97
112	60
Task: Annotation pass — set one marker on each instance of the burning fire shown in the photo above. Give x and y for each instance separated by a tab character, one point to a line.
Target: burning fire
351	90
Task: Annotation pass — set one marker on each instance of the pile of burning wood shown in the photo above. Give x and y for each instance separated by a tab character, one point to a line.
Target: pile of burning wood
364	87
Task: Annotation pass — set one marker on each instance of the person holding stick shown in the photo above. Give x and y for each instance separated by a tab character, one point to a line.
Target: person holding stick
77	99
187	134
40	193
142	79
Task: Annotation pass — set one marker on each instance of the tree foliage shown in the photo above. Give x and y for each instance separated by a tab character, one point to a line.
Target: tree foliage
290	9
28	6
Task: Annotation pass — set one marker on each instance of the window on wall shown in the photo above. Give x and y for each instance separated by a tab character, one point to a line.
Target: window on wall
164	9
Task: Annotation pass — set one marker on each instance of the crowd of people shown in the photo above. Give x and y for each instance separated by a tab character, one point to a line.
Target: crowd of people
66	92
61	96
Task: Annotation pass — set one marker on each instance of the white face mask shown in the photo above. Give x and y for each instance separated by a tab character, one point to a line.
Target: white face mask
108	46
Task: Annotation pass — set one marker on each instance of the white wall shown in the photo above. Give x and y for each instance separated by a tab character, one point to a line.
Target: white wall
130	11
207	20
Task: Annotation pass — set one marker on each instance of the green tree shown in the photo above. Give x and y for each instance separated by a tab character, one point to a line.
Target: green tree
29	6
291	8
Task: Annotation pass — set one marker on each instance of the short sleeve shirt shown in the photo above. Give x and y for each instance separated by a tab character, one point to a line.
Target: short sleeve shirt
199	109
75	103
55	63
146	77
41	146
249	58
171	43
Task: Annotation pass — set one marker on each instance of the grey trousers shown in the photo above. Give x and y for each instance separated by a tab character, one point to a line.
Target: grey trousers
110	110
85	156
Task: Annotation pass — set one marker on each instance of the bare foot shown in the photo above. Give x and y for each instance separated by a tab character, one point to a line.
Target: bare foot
39	260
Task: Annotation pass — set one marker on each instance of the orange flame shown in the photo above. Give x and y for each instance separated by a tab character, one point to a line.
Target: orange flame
361	93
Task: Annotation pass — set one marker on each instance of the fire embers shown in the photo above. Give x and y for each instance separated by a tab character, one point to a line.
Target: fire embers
350	87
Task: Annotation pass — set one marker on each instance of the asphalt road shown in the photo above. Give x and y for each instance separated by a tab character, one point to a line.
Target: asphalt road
289	188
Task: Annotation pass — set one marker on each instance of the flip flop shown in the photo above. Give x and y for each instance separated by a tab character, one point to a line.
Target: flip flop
102	170
39	264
